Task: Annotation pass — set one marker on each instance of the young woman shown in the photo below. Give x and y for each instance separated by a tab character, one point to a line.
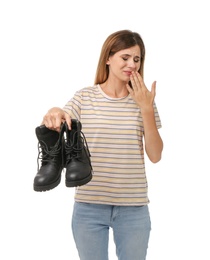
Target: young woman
120	121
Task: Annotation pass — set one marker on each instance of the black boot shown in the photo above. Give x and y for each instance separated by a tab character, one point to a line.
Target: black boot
51	154
78	164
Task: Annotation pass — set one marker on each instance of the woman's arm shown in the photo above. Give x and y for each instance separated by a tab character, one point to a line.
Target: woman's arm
153	141
145	100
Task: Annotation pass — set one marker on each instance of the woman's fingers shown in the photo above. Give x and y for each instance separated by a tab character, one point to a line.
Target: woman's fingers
140	93
55	117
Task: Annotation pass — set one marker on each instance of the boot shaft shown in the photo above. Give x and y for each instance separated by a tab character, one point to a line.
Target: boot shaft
47	136
75	144
50	145
73	136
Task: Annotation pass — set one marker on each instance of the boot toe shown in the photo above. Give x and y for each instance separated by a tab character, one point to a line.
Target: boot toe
47	180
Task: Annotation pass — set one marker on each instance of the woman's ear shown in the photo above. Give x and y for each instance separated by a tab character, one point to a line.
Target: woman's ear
108	62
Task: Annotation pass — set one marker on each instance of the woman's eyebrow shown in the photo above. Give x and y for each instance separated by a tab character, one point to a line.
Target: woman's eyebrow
128	55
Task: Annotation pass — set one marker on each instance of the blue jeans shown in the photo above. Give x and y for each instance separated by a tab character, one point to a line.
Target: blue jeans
131	229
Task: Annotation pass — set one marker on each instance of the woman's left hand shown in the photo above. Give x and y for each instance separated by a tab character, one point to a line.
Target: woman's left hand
139	92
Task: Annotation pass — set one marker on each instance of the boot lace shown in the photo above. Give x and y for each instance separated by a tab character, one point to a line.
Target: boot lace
46	155
73	149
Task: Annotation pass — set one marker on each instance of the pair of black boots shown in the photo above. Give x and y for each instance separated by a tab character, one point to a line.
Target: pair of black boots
66	149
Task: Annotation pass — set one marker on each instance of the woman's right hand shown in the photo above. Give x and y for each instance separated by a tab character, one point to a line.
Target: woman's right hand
55	117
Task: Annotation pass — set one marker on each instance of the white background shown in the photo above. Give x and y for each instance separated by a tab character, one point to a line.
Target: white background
48	50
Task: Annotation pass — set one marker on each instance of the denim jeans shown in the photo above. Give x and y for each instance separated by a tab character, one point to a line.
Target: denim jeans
131	229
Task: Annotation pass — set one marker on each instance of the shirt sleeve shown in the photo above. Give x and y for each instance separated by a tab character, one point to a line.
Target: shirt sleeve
157	117
73	106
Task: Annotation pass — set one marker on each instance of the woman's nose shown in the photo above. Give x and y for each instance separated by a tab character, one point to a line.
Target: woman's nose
131	64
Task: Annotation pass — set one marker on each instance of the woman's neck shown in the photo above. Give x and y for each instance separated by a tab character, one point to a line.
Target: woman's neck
114	90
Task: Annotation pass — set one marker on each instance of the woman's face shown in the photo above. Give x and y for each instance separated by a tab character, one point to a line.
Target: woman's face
123	62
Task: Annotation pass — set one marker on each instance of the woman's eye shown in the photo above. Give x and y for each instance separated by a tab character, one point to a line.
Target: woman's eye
135	60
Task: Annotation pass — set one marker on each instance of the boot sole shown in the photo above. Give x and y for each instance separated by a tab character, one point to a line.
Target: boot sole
80	182
47	187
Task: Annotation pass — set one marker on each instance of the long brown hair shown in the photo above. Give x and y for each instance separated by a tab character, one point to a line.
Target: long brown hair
115	42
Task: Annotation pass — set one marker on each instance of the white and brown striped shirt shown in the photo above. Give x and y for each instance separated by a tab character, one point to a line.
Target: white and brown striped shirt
113	129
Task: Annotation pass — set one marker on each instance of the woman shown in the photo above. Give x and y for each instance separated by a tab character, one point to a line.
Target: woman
119	120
